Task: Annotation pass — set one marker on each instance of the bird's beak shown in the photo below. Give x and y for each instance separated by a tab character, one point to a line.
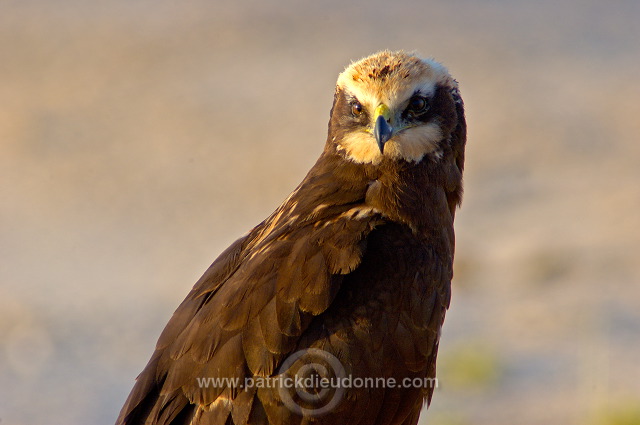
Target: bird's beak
382	131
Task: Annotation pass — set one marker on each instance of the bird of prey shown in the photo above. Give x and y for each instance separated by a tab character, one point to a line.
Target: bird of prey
354	268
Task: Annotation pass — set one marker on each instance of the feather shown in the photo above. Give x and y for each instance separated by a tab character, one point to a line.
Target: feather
356	262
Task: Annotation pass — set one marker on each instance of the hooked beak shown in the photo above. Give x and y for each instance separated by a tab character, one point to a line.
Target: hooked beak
382	131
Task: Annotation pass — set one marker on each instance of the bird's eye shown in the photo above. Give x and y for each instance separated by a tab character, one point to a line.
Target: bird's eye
417	104
356	108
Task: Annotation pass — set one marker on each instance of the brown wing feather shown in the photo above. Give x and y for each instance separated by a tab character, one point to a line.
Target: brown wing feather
246	313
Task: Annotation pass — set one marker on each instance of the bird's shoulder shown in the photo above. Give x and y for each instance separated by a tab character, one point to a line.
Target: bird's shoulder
247	311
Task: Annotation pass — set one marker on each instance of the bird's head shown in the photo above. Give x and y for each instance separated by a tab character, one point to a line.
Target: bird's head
396	106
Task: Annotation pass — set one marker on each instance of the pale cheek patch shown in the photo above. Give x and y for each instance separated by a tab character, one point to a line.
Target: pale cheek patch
414	143
411	144
361	147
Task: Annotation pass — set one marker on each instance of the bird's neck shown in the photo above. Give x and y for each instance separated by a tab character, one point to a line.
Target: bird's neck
413	194
417	194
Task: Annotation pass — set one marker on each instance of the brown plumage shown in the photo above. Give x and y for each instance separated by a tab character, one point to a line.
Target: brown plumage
356	262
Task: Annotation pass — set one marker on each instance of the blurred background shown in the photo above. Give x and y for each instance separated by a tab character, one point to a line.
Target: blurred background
139	138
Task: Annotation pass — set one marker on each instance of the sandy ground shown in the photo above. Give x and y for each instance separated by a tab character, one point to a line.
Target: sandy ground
139	138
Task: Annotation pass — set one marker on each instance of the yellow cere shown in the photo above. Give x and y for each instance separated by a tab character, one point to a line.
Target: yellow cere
383	110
